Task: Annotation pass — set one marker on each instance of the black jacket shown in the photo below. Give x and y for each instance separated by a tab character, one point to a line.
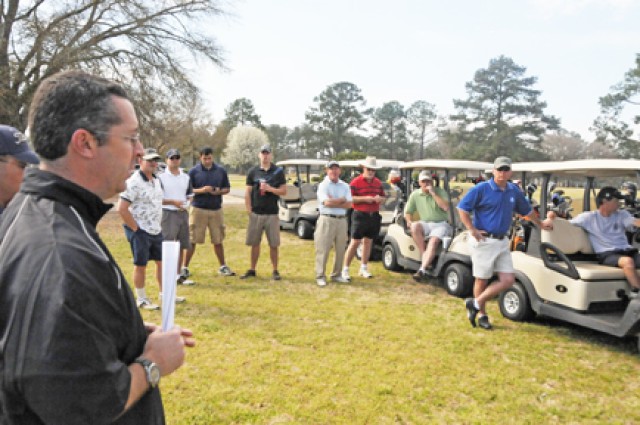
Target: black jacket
69	326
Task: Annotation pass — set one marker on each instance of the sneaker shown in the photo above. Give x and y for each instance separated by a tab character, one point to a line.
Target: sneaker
483	322
146	304
321	281
472	311
275	275
184	281
365	273
226	271
339	279
249	273
185	272
179	300
345	275
419	276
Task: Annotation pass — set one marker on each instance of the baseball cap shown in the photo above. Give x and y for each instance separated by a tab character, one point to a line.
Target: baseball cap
608	193
173	152
502	161
16	144
265	148
424	175
150	154
333	163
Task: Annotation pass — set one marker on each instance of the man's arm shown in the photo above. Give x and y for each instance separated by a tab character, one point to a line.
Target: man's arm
465	218
166	350
127	217
247	198
443	203
280	190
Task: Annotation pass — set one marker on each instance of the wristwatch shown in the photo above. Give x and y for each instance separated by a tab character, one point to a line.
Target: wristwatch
151	369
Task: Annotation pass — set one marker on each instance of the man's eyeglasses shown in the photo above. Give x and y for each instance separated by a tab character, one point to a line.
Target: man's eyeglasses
504	169
174	157
133	139
20	164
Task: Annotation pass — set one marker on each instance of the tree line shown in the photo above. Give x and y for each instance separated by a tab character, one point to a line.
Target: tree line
144	45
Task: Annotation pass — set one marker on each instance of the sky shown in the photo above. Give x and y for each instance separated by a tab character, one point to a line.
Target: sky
281	54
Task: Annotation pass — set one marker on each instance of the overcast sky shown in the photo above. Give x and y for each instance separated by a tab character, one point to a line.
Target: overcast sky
283	53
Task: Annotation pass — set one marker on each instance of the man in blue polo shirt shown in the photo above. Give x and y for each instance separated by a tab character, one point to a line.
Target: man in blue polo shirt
493	203
209	181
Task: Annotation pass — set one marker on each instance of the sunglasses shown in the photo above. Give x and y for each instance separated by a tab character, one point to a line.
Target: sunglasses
504	169
174	157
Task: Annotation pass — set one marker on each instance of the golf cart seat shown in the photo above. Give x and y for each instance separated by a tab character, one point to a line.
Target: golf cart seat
292	198
567	250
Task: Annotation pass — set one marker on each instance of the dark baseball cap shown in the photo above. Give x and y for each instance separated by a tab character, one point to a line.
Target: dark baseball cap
173	152
13	142
265	148
608	193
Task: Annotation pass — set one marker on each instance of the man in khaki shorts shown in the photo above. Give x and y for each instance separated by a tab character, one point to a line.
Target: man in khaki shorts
265	184
492	203
209	181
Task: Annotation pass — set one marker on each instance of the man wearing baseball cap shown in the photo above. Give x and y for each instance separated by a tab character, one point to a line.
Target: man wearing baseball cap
492	203
606	228
431	203
15	155
334	199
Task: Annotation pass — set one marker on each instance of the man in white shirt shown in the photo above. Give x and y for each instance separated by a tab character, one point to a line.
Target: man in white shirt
334	199
177	190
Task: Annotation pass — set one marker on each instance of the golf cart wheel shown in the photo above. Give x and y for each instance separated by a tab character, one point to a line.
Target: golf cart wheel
458	280
304	229
390	258
515	304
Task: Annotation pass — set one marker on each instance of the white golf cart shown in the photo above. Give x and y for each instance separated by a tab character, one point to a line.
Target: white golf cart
351	169
298	209
453	261
557	273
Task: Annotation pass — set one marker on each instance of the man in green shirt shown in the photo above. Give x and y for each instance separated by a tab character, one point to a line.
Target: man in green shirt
432	204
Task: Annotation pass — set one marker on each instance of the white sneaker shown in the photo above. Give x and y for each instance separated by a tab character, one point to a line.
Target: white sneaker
181	280
179	300
146	304
345	275
365	273
339	279
321	281
226	271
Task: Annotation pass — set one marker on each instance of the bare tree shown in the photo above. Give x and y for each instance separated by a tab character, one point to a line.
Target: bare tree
137	42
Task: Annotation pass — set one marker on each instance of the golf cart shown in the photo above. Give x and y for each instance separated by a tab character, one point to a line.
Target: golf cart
557	272
452	261
350	170
298	209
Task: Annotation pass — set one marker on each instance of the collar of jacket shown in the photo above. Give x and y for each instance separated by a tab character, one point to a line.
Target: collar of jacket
44	184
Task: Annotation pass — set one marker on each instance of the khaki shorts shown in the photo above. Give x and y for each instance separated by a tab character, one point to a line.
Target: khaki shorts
490	256
201	219
267	223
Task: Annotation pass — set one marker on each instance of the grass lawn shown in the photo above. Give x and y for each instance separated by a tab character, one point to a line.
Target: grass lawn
380	351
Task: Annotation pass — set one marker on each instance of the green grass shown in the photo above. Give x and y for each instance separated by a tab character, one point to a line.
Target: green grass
381	351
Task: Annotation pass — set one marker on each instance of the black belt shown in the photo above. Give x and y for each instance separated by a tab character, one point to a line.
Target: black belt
333	215
366	213
494	236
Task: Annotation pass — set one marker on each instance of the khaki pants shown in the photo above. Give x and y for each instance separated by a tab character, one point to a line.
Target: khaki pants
330	232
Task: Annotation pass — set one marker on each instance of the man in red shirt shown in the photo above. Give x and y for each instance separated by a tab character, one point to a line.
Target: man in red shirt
368	194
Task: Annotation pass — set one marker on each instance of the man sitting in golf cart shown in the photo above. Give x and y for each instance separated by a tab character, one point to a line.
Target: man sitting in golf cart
606	228
432	204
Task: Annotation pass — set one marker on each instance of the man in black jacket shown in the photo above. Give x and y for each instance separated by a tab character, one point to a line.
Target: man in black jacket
73	346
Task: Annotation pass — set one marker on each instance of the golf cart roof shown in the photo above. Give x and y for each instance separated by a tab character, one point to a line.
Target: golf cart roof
384	163
589	167
443	164
320	162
